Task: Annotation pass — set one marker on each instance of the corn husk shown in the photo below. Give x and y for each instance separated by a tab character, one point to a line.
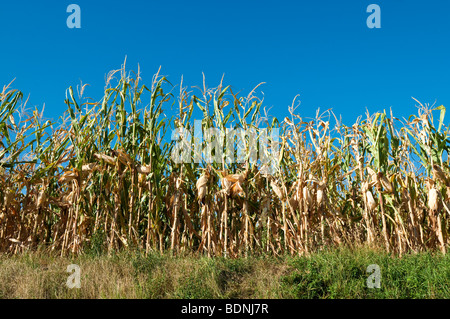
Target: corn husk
123	157
371	204
319	196
9	197
107	159
41	199
385	183
372	175
307	196
433	199
277	190
226	185
201	186
232	183
296	195
237	190
89	167
439	174
235	178
293	201
68	176
68	199
143	169
142	178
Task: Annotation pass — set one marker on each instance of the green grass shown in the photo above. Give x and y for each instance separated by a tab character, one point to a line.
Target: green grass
337	273
343	275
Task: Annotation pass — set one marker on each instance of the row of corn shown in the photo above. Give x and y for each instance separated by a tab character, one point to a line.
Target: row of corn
105	171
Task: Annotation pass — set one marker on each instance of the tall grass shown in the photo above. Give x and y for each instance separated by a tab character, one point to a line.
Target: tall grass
102	177
329	274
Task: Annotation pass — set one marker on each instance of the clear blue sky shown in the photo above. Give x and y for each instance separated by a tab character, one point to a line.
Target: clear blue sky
322	50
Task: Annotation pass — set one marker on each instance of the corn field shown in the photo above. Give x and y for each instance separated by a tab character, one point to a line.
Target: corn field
105	170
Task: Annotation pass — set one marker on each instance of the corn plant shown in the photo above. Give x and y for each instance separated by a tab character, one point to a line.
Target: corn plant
106	172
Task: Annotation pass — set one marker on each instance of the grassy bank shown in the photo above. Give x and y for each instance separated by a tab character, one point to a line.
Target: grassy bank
131	274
